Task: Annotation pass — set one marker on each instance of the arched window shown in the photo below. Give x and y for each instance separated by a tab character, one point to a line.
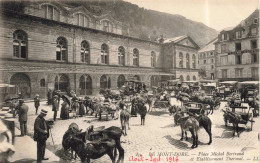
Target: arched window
82	20
23	83
20	44
121	55
153	59
188	78
61	49
85	85
105	82
194	78
42	83
181	78
85	56
104	54
180	60
187	60
62	83
193	61
51	12
107	26
120	81
136	57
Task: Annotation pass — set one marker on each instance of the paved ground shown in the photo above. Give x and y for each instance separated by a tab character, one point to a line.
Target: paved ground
158	135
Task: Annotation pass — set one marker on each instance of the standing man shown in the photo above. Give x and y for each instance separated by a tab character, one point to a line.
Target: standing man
22	110
36	103
55	106
41	134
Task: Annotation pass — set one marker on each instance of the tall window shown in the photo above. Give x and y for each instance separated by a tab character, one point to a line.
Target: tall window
194	78
253	58
223	48
61	49
20	44
238	46
253	31
121	55
51	12
224	73
238	34
239	61
84	53
224	36
107	26
188	78
104	54
187	60
239	72
180	60
135	57
42	83
153	59
193	61
254	44
82	20
254	72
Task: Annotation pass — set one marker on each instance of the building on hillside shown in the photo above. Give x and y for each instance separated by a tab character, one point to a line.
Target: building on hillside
238	51
206	59
49	45
180	57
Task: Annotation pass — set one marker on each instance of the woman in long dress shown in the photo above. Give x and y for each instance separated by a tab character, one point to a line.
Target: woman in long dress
65	107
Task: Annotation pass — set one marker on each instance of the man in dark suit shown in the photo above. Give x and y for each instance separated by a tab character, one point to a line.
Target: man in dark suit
36	103
55	106
22	110
41	134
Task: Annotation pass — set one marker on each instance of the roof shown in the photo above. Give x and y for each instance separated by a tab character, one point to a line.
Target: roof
227	29
209	46
175	39
2	85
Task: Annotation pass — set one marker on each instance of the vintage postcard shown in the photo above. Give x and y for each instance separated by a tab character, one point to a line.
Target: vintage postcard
129	81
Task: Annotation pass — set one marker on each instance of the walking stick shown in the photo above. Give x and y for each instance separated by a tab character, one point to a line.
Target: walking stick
52	139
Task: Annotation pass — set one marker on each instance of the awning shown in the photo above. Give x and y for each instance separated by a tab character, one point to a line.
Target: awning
3	85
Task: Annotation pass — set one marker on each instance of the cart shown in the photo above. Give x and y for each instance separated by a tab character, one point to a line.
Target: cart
195	108
245	112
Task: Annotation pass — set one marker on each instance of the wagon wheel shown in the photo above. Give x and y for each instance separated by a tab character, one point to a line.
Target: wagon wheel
252	122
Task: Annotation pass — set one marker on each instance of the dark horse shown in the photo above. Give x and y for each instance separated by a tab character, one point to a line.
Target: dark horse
99	143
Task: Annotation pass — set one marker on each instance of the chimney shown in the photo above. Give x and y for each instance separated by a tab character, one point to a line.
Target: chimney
161	40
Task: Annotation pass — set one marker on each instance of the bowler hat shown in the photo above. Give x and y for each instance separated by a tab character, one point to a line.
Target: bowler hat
44	112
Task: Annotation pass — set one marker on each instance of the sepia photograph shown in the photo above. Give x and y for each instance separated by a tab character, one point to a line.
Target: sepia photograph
125	81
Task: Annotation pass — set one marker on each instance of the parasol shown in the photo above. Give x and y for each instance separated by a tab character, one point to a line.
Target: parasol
67	98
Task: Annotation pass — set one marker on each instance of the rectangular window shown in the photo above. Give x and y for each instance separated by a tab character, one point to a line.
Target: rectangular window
253	44
253	58
238	46
223	48
255	21
224	73
212	60
238	34
239	61
212	67
239	73
23	51
253	31
224	36
254	72
224	60
205	61
16	51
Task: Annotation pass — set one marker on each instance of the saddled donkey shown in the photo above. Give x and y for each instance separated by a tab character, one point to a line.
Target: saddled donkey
96	144
124	118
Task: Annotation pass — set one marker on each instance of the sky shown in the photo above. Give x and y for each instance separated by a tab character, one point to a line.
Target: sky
217	14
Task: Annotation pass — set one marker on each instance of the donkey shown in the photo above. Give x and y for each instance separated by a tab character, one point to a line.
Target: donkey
124	119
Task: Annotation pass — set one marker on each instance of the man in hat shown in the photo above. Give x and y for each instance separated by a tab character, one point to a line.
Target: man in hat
55	106
41	134
22	110
36	103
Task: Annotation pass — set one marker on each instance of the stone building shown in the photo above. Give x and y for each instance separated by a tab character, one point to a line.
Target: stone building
206	60
238	52
56	46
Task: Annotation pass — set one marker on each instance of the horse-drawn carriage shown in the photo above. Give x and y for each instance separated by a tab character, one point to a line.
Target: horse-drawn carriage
132	87
239	115
196	108
226	88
